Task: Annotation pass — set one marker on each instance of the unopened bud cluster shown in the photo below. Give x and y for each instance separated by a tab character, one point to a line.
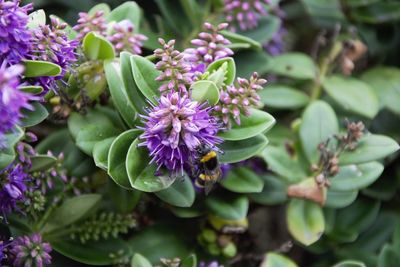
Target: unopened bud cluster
90	23
125	38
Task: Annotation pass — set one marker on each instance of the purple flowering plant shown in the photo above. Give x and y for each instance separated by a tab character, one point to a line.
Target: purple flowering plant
143	134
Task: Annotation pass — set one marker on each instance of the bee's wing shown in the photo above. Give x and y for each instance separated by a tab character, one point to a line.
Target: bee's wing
208	186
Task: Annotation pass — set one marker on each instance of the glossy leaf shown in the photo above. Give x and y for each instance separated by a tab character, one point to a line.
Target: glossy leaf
36	18
356	177
100	152
305	221
7	155
273	193
181	193
228	67
205	91
389	256
319	123
37	68
100	7
128	10
294	65
35	116
248	62
350	263
340	199
96	46
235	151
283	97
140	261
352	95
273	259
237	38
42	162
117	156
117	90
371	147
32	89
88	136
233	207
258	122
145	74
242	180
267	27
190	261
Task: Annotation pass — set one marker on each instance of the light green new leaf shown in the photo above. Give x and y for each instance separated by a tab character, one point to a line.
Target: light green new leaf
205	91
283	97
294	65
37	68
140	261
228	68
273	259
96	46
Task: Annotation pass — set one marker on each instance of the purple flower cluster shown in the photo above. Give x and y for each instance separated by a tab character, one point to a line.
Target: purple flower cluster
174	129
236	100
51	44
174	69
13	188
276	45
12	100
91	23
245	13
124	38
210	45
14	35
31	251
211	264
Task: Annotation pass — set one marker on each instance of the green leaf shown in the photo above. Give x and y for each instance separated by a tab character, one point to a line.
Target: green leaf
128	10
35	116
305	221
294	65
7	155
12	138
37	68
353	95
92	253
258	122
264	32
378	13
350	263
319	123
237	38
100	152
283	97
36	19
340	199
385	82
190	261
42	162
249	61
281	163
242	180
371	147
389	256
117	90
181	193
235	151
356	177
96	46
145	74
140	261
273	193
72	210
100	7
117	156
141	174
228	68
205	91
160	241
273	259
174	16
228	207
91	134
32	89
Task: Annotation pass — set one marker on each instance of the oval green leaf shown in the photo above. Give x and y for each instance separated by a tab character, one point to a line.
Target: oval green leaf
242	180
180	194
294	65
42	162
140	261
283	97
228	207
205	91
273	193
228	68
100	152
91	134
35	116
128	10
273	259
37	68
96	46
235	151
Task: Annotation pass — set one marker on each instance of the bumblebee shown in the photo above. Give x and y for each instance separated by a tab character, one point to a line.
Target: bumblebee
208	168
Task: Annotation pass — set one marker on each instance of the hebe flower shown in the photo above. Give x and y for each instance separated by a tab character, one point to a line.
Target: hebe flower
31	251
210	45
14	35
124	38
12	100
174	129
173	67
13	187
276	45
211	264
236	100
90	23
245	13
51	44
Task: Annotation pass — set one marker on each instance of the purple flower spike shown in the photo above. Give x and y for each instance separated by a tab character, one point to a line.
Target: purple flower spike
13	188
12	100
124	38
31	251
210	46
14	36
175	128
236	100
90	23
211	264
174	69
51	44
245	13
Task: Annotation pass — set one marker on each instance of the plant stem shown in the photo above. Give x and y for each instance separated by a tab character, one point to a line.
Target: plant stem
42	222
